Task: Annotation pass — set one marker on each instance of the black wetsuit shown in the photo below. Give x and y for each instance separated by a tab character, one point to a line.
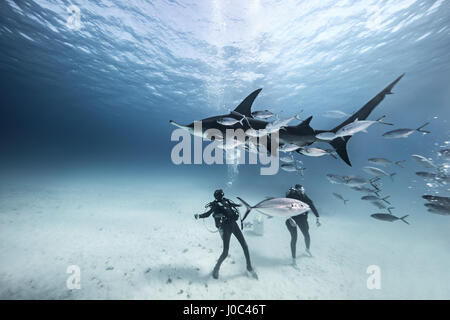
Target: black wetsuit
225	217
301	220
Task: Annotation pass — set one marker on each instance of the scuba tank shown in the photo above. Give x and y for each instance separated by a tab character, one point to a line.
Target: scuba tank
224	212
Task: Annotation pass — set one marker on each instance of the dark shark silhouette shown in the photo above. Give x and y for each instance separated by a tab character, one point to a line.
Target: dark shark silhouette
302	134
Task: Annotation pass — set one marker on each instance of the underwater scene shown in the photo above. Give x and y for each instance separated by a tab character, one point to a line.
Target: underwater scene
224	149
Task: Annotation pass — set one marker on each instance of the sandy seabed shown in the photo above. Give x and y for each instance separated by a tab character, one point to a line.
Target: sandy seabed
132	241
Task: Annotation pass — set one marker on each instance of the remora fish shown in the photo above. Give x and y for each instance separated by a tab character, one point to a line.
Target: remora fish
388	217
337	195
277	207
404	133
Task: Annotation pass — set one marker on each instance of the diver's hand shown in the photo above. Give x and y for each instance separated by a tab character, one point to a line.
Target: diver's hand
318	224
196	216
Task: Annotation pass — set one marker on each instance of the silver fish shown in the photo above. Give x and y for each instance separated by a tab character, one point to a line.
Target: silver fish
230	144
334	178
437	199
358	126
365	189
289	147
378	172
385	162
263	114
380	161
334	114
256	133
445	153
427	175
228	121
289	167
326	136
424	161
287	159
438	208
316	152
388	217
355	181
404	133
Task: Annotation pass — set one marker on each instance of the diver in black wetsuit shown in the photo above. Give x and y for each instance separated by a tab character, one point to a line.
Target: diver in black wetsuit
225	215
300	220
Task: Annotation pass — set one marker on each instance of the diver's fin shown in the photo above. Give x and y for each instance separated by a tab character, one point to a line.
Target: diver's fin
245	107
340	145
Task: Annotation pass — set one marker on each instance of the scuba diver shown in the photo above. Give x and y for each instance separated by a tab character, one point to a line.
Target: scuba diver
300	220
225	216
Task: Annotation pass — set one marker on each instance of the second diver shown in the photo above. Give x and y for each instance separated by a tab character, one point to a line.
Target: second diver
300	220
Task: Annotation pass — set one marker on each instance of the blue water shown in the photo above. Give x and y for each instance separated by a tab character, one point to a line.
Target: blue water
98	99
